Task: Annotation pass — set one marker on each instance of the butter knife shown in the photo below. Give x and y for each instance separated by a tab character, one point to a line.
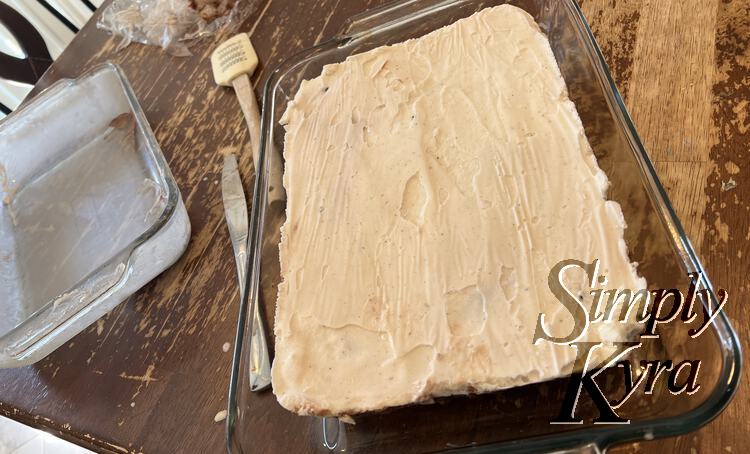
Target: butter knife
235	211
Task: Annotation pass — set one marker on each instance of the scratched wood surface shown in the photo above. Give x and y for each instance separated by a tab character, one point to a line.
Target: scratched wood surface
151	375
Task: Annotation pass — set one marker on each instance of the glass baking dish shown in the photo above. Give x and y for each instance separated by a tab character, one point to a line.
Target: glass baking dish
514	419
90	211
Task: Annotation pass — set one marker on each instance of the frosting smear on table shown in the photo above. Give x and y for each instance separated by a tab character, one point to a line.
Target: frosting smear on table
432	185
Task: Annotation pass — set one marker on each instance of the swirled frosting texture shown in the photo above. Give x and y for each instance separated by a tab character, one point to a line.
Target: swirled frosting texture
432	185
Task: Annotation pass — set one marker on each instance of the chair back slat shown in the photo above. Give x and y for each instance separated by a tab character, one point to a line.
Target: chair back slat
33	24
30	68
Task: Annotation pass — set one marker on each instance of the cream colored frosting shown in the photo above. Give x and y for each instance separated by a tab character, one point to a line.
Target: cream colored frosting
432	185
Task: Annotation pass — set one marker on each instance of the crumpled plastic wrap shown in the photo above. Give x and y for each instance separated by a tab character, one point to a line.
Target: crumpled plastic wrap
171	24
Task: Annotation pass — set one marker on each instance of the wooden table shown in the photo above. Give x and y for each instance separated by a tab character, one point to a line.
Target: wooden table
151	375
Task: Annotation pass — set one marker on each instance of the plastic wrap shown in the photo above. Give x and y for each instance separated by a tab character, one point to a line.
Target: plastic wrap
170	24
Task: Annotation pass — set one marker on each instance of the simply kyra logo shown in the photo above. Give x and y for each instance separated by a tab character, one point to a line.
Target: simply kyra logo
653	308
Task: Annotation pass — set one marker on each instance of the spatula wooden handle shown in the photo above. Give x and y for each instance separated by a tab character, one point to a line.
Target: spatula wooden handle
246	96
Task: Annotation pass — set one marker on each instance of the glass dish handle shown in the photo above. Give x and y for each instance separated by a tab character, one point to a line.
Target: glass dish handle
64	310
375	19
591	448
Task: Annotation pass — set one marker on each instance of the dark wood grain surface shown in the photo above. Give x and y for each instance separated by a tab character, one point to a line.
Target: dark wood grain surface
151	375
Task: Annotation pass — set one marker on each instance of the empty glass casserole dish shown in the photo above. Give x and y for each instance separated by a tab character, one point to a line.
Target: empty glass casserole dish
90	211
515	419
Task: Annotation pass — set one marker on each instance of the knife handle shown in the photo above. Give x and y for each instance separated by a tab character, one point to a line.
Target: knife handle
260	362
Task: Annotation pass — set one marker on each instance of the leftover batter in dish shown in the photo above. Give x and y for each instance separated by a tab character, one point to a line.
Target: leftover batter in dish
432	185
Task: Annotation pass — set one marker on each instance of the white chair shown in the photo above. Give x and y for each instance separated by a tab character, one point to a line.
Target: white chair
55	21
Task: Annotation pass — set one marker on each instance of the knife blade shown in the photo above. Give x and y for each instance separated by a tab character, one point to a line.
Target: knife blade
235	212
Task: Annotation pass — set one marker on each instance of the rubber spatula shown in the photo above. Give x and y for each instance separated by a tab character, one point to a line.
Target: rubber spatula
233	62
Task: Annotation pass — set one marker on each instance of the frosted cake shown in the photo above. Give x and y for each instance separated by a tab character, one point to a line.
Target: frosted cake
432	185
